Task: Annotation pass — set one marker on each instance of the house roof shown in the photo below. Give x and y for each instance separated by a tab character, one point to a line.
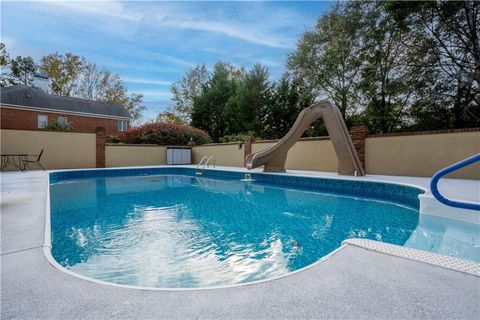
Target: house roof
27	96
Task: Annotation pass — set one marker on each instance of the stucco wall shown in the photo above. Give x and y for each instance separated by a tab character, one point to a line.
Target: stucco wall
408	155
226	154
311	154
135	155
63	150
422	155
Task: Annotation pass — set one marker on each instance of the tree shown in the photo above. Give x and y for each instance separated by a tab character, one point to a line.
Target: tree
184	91
22	69
4	57
244	110
208	108
134	104
386	84
329	59
4	62
169	117
64	71
446	43
290	96
100	85
71	76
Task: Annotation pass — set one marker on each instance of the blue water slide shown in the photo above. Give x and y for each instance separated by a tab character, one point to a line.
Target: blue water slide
454	167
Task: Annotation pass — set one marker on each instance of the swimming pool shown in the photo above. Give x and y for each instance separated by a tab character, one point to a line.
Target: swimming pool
168	228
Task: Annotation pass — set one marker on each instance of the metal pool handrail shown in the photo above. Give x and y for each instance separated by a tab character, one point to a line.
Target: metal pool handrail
201	161
207	159
436	177
207	164
197	171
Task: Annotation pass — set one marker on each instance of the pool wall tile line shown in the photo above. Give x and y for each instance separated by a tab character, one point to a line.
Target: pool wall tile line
405	195
465	266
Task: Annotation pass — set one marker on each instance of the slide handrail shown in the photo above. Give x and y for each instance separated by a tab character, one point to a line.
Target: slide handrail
454	167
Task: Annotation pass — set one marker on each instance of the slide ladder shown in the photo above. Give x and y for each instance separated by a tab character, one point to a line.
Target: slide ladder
273	158
454	167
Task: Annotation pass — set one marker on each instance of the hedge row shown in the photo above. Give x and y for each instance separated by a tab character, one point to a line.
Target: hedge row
163	134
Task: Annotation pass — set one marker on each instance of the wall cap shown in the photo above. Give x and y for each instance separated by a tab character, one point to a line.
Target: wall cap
417	133
51	131
301	139
134	145
218	144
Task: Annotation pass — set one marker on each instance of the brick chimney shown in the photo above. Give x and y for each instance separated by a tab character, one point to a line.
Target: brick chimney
41	81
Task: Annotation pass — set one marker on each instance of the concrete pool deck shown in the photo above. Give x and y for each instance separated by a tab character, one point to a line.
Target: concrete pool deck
353	283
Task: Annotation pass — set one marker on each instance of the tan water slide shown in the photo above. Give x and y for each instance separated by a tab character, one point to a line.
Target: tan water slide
273	159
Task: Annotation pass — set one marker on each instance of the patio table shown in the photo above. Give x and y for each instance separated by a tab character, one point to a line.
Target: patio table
17	160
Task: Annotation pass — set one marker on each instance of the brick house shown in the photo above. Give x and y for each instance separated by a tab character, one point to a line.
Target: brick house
31	108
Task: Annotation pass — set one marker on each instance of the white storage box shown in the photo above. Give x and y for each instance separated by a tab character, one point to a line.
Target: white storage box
179	155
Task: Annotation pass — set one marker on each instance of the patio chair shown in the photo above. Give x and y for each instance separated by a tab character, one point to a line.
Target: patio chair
34	159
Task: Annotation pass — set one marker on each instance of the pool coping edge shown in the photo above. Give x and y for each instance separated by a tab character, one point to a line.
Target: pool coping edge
435	259
454	264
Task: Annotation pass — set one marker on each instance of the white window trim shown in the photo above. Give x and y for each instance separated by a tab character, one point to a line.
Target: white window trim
122	125
43	124
62	117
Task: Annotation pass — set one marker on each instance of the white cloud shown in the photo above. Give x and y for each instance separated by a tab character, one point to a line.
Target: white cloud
166	58
256	31
228	29
154	93
105	8
147	81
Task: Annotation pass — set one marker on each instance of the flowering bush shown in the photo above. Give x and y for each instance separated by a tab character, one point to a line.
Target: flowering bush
165	134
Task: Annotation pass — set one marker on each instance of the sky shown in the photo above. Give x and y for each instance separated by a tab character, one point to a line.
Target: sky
151	44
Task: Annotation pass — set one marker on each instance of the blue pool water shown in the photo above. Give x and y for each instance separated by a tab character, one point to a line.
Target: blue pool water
172	229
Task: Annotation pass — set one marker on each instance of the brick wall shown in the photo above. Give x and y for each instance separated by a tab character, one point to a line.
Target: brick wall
100	147
28	120
359	133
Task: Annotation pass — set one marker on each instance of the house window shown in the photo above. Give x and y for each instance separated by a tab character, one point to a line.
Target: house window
62	120
42	121
122	125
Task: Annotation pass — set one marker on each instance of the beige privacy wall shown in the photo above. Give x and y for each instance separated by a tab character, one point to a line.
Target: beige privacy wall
308	154
63	150
407	155
226	154
422	155
313	154
135	155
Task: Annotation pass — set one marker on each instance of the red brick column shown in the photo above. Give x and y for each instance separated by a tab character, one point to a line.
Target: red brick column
100	159
359	133
248	148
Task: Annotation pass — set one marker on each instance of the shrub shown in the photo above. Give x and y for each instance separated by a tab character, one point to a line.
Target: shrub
113	139
165	134
236	137
57	126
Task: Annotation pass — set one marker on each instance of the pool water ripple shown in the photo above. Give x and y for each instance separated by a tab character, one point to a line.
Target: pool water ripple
182	231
